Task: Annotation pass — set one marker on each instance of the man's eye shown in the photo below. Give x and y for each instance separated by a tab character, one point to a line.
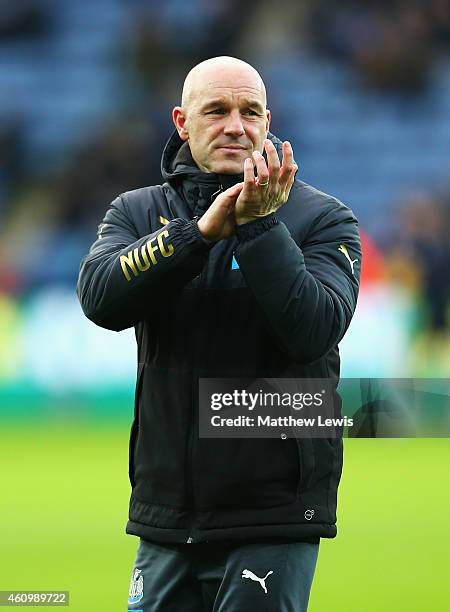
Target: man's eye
252	113
215	111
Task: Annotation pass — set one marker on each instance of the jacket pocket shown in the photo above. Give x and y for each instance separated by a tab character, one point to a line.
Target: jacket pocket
306	463
246	473
135	425
327	456
160	443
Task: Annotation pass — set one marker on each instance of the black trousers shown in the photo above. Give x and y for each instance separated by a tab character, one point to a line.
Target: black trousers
259	576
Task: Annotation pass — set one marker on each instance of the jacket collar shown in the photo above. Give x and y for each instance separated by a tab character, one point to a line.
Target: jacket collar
198	188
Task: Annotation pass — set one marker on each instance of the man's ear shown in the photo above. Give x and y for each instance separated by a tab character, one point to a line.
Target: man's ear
268	117
179	119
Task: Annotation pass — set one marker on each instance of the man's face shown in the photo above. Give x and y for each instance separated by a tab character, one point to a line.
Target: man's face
225	119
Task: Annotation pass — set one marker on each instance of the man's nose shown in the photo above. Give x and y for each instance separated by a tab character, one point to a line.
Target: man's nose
233	125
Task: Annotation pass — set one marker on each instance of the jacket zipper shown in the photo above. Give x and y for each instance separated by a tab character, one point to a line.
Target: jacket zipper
190	478
190	463
189	467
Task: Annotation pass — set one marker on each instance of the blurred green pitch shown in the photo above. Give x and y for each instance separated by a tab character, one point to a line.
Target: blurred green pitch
64	502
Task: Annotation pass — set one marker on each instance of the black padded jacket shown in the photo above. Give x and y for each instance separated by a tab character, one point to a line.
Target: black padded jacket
273	301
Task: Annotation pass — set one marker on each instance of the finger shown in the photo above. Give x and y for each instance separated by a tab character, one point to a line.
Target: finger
273	160
229	196
288	166
233	191
288	177
261	167
288	186
231	208
249	175
288	157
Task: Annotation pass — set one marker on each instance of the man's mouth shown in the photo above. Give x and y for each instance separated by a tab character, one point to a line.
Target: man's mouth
233	147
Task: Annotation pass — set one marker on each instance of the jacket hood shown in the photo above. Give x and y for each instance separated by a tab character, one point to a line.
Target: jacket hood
199	188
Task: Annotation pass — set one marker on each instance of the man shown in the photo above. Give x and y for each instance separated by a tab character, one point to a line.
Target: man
231	268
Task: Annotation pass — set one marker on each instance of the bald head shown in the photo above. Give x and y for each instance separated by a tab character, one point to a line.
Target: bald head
223	114
220	71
